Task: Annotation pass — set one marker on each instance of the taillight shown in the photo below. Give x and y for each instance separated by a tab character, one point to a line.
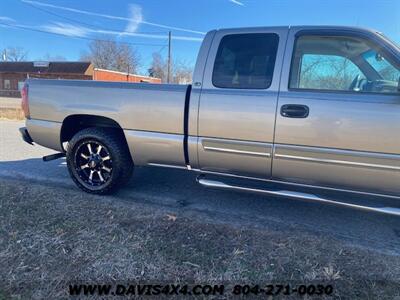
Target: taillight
25	100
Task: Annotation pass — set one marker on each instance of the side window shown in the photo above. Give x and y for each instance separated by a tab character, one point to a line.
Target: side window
245	61
341	63
327	72
7	84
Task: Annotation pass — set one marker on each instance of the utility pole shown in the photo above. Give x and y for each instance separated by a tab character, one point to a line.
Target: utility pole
169	58
127	75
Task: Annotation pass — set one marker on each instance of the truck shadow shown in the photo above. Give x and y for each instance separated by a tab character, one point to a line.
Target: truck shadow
178	190
35	169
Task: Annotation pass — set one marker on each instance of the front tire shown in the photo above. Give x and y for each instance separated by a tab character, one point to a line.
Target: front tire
98	160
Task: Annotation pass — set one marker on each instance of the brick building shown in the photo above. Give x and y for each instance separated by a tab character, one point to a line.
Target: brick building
108	75
13	74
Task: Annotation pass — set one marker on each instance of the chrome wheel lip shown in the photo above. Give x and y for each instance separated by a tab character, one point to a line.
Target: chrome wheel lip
93	164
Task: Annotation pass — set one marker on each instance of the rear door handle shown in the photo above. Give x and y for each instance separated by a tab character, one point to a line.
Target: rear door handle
294	111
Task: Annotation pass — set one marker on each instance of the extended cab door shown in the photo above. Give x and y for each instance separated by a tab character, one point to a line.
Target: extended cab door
339	111
238	101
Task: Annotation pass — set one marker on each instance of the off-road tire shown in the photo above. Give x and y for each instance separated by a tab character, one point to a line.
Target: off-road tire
115	144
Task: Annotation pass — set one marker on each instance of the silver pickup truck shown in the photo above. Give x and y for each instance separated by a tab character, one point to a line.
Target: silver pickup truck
310	107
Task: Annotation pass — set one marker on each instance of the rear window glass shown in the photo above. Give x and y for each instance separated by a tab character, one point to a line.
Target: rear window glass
245	61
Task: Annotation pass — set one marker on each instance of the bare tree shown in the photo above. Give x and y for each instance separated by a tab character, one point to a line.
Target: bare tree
327	72
181	72
158	67
111	55
15	54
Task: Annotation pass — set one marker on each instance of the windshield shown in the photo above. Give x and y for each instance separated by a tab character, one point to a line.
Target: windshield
389	40
382	66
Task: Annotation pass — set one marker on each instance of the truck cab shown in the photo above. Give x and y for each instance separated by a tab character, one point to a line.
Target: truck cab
308	105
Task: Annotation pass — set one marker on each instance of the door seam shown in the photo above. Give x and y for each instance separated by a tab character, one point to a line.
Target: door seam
277	101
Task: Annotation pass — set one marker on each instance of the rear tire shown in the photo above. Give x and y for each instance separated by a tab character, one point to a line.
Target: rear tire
98	160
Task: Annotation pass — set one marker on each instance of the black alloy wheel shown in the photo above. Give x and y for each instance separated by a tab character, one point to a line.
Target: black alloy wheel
93	163
99	160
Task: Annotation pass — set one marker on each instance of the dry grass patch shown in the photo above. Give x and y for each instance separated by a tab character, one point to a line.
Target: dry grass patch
11	113
50	237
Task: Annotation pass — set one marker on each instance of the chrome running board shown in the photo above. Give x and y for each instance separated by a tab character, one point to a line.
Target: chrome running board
295	195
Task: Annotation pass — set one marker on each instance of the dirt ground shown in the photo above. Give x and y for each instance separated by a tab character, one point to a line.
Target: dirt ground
11	113
50	237
10	108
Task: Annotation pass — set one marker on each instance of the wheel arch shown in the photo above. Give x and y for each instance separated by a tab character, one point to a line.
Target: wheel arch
75	123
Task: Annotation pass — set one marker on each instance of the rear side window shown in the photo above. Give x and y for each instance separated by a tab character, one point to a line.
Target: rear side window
245	61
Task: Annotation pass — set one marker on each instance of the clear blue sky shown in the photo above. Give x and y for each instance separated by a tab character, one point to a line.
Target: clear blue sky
146	22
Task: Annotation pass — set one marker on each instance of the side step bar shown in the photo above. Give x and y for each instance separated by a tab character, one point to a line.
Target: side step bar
296	195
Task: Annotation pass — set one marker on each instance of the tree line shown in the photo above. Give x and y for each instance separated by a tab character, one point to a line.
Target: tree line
112	55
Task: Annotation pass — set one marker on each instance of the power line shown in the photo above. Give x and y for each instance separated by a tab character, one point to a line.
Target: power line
159	51
85	12
162	48
76	37
80	22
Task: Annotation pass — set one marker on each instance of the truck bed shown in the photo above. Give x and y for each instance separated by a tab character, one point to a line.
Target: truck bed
151	115
135	106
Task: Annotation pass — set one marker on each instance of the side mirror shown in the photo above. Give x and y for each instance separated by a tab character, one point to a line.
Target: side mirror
379	57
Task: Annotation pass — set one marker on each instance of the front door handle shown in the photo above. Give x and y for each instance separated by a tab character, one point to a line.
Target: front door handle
294	111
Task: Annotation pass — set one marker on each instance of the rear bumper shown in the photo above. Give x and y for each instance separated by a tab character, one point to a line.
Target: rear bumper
25	135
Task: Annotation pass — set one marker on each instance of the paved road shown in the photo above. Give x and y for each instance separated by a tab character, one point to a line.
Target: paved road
178	189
